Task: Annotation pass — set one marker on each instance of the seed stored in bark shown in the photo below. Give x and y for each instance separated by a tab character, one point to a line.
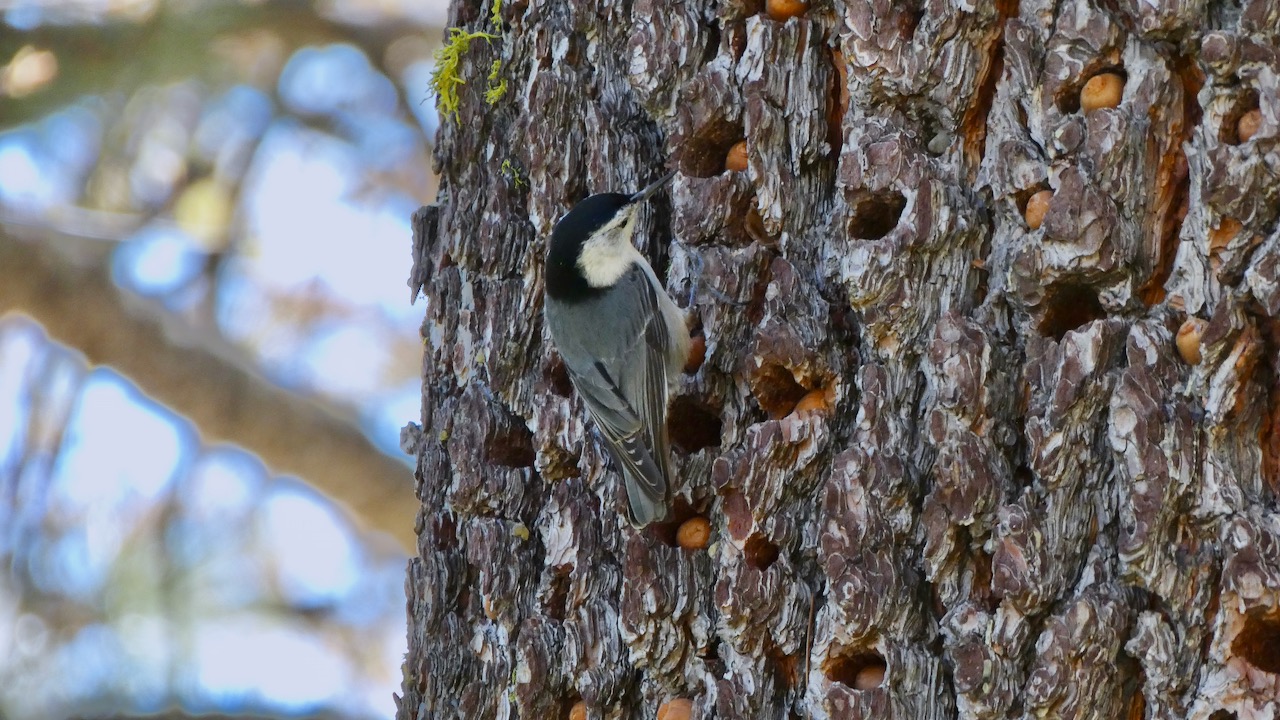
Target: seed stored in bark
1037	208
678	709
783	10
1188	340
1102	91
578	711
813	401
736	159
694	533
697	354
1248	125
869	677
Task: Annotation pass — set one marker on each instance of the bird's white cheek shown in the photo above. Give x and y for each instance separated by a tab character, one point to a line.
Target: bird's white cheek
602	261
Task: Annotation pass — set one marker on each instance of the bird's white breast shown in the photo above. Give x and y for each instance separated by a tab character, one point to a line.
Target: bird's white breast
609	253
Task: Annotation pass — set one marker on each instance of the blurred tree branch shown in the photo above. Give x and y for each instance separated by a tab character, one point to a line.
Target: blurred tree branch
175	41
196	373
190	368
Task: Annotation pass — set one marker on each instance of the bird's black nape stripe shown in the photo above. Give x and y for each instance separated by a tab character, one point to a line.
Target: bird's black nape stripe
565	282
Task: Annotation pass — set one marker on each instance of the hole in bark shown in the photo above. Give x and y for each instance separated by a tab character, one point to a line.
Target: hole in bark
876	214
1269	428
759	552
908	20
510	444
573	708
1222	715
980	288
1211	608
933	137
558	377
1023	477
738	514
666	532
1068	306
936	603
1068	100
755	306
838	102
1173	182
1229	133
753	226
444	531
776	390
576	50
1174	191
711	656
1192	79
1132	679
1259	641
1137	706
1022	196
973	126
860	671
713	43
558	591
738	33
705	150
980	590
693	425
786	666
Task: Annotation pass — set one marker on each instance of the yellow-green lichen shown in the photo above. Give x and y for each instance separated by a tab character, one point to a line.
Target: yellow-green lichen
512	173
445	79
497	85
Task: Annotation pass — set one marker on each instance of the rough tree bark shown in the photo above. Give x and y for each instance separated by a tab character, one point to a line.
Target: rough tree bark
1006	493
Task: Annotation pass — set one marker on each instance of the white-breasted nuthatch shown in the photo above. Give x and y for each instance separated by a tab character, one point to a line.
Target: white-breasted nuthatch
622	339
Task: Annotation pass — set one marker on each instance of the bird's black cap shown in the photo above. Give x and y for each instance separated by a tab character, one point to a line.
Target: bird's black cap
564	280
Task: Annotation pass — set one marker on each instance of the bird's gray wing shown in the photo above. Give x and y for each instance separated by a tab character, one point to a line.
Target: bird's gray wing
619	369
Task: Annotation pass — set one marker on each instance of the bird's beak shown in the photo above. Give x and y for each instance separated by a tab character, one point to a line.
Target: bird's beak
653	187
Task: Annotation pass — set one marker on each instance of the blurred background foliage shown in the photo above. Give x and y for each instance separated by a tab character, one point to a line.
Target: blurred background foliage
207	349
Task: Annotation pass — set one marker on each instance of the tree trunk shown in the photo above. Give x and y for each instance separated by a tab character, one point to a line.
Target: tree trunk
957	461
